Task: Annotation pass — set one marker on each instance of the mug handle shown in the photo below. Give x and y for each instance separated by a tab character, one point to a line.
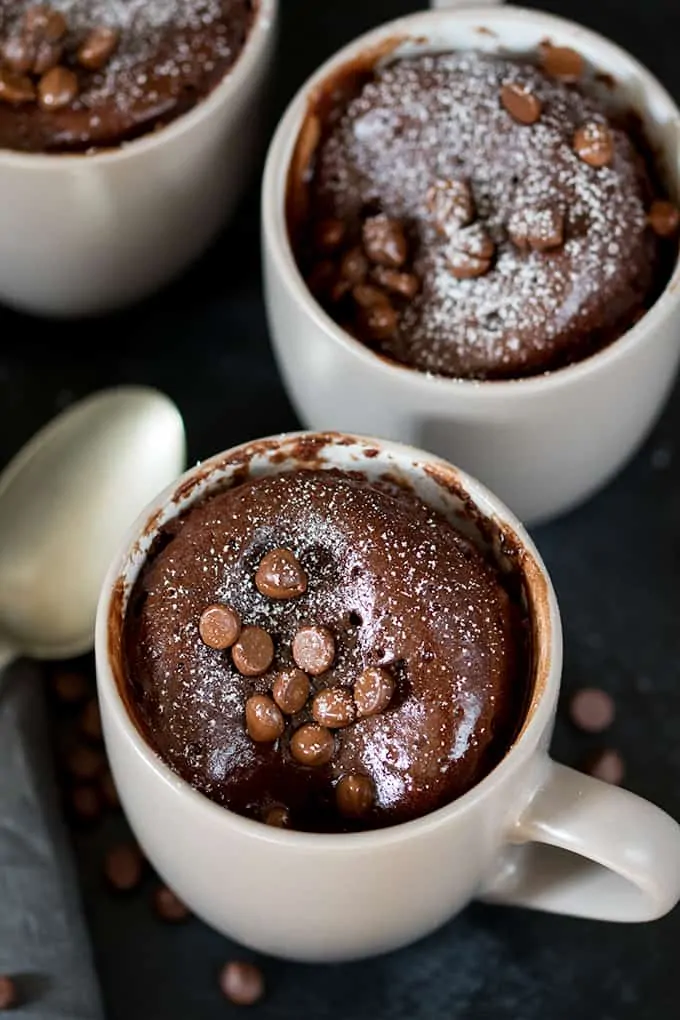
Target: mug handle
589	849
442	5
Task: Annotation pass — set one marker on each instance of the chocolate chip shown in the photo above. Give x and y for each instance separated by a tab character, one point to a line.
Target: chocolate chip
43	22
451	204
253	653
607	765
9	996
86	802
70	686
280	575
537	229
367	296
592	710
98	47
85	763
333	707
47	56
354	266
242	983
355	795
15	88
312	745
379	322
277	816
373	691
219	626
124	866
664	218
264	721
109	791
329	235
384	241
57	89
594	144
521	103
314	649
322	279
91	721
18	54
168	906
406	285
470	252
291	690
562	62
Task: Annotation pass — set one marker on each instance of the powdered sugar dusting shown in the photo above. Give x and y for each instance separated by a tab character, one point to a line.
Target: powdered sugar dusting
397	586
433	118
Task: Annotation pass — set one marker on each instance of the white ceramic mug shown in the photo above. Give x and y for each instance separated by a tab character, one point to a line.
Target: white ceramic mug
545	443
85	234
532	833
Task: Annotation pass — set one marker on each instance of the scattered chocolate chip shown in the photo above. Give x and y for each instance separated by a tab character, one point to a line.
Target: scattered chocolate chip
44	22
354	266
451	204
562	62
521	103
373	691
537	229
91	721
355	795
242	983
277	816
592	710
124	866
85	763
314	649
664	218
57	89
333	707
290	691
109	791
280	575
312	745
70	686
264	721
594	144
86	802
470	252
406	285
607	765
219	626
168	906
367	296
98	47
9	997
253	653
47	55
385	241
15	88
378	322
329	235
322	279
18	54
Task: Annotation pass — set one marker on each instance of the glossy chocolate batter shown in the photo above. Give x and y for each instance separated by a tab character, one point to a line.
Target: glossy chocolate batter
169	55
553	256
394	585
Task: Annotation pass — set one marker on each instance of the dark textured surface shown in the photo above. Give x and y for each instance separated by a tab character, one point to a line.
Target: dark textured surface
615	564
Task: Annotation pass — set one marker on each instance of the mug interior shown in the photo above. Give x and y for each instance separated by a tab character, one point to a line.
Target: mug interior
462	500
621	81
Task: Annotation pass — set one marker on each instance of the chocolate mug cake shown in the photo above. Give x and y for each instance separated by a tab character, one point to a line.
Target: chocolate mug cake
321	652
80	75
477	216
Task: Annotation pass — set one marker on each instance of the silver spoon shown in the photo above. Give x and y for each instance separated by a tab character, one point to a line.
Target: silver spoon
65	502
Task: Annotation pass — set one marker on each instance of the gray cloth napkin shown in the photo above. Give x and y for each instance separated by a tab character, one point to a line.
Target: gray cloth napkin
43	941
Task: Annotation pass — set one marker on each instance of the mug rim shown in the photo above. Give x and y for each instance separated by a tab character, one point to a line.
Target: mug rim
546	668
277	241
245	64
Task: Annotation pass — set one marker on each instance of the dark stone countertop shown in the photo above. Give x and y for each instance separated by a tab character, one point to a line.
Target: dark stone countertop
615	563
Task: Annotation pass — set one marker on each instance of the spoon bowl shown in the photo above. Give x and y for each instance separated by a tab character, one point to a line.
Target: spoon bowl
65	501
